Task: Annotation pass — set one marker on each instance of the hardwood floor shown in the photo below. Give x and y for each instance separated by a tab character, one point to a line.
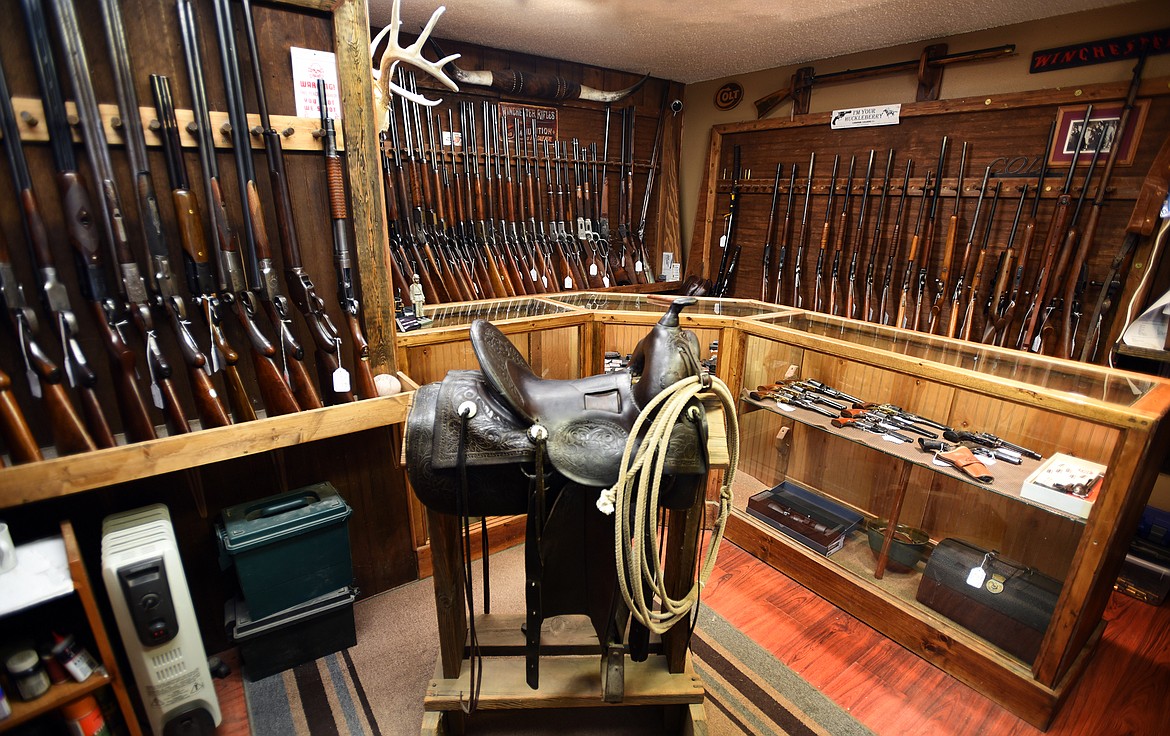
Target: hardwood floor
1125	690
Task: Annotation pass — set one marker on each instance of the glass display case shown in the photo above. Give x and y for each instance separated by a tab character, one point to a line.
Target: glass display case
796	446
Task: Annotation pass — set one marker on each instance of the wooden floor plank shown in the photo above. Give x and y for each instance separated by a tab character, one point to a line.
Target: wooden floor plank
1125	689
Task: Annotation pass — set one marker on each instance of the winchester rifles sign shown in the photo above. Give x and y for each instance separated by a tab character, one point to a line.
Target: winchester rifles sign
1148	43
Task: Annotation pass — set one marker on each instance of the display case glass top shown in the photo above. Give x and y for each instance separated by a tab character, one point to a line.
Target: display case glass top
1088	381
643	303
496	310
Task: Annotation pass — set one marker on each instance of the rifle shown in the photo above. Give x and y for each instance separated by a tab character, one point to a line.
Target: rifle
859	237
22	446
401	260
275	393
802	238
997	300
940	284
825	232
1057	227
261	270
1004	322
70	433
785	237
928	239
196	260
342	251
722	277
911	257
977	277
875	245
895	238
83	237
651	172
334	379
953	319
161	282
768	234
1068	330
834	257
1069	246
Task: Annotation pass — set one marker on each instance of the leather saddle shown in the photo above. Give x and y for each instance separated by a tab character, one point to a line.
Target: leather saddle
471	449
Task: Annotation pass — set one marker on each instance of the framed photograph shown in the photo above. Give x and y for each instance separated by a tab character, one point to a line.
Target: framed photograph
1102	128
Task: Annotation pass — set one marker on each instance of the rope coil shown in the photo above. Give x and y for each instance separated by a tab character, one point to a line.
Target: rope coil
639	480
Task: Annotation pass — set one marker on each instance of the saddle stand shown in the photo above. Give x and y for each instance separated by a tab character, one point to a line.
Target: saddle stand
503	441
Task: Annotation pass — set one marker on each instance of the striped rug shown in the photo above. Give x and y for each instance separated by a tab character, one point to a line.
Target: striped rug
377	687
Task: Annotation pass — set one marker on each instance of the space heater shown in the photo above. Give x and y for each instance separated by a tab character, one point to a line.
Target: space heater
156	619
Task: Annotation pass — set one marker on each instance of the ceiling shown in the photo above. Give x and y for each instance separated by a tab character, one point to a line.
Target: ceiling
697	41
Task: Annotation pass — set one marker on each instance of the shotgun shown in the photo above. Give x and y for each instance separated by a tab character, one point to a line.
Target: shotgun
83	235
234	289
197	263
161	281
70	433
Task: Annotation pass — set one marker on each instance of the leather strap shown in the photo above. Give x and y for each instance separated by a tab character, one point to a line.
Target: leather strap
965	462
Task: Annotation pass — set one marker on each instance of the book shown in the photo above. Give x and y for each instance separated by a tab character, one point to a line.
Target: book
1065	483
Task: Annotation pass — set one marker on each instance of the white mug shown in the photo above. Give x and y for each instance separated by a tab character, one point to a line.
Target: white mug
7	549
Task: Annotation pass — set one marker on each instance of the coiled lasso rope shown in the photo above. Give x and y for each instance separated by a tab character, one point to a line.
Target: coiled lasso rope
639	481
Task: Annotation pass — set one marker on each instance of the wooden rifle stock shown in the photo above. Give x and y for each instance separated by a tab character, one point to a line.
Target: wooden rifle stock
22	446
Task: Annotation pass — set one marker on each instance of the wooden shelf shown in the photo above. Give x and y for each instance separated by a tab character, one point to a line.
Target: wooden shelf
74	473
57	696
1008	481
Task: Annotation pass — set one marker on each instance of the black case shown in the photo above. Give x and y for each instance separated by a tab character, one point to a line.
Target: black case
1013	607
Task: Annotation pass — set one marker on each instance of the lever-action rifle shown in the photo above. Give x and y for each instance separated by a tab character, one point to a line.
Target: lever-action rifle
874	247
948	254
768	234
785	238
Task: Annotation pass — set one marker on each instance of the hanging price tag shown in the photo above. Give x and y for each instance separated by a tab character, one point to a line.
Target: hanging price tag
341	381
976	577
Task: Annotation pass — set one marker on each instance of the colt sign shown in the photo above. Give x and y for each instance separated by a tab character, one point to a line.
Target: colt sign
728	96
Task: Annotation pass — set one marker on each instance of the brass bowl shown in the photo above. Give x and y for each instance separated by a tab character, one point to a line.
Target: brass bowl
905	548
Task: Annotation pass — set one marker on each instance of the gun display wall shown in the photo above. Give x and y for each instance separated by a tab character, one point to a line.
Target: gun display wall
485	203
191	297
1015	221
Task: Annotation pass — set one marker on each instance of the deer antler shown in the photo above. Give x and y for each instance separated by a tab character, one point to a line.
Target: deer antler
412	55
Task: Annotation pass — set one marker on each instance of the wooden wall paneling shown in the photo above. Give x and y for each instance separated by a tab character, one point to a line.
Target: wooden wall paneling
1007	131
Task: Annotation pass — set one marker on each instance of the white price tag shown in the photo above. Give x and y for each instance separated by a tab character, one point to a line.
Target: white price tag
341	381
976	577
592	269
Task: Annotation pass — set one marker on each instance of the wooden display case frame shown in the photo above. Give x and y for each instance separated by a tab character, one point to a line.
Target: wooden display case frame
1138	436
